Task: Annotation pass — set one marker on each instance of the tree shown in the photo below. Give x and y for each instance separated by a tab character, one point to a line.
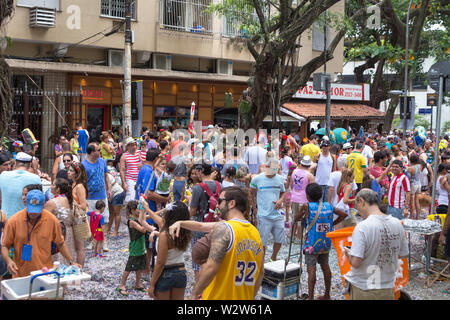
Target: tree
270	30
6	97
385	47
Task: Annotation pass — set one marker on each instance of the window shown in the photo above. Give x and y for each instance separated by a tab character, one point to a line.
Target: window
318	37
185	15
117	9
232	23
48	4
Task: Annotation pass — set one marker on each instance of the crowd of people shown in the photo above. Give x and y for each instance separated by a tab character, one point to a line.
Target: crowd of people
222	206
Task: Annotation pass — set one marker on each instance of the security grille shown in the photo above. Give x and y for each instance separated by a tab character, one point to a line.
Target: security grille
186	15
117	9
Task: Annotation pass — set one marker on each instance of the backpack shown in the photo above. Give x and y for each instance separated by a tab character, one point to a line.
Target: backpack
213	201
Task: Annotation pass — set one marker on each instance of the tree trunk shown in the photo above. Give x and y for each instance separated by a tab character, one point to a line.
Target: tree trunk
390	114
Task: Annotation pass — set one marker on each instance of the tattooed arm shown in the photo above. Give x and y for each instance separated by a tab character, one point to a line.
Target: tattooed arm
219	244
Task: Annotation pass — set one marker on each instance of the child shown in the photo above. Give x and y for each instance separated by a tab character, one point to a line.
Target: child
165	176
96	222
318	221
137	260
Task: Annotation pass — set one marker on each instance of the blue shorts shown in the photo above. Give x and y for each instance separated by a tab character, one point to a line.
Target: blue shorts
395	212
178	189
171	278
119	199
271	226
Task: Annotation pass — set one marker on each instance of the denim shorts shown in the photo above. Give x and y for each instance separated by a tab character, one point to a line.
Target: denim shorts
395	212
271	226
119	199
313	259
171	278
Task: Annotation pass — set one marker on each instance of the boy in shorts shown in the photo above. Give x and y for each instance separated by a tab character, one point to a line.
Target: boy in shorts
318	222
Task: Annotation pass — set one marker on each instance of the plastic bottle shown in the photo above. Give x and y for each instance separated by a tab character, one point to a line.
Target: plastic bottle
56	266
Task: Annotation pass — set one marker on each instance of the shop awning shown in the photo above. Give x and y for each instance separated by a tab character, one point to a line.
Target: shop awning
347	111
286	116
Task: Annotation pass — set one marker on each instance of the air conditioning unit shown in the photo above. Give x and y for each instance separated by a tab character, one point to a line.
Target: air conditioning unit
162	61
43	18
143	56
224	67
115	58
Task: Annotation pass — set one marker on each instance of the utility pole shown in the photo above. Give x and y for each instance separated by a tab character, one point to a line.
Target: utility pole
405	120
126	110
327	83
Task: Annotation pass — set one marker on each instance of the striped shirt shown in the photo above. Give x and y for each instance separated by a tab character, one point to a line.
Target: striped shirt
132	162
397	191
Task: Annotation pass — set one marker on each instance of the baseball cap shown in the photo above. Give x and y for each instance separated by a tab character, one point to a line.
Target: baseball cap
347	145
210	127
325	143
23	157
381	144
35	201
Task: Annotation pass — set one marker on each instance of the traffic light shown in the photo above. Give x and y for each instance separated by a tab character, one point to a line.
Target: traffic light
409	109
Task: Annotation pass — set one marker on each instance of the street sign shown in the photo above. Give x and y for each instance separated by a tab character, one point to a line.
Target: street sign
424	110
432	99
319	81
442	67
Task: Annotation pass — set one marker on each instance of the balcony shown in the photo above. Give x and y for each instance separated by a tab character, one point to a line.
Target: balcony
116	9
185	15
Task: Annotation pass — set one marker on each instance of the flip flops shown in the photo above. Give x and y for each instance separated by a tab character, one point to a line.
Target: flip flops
122	292
142	289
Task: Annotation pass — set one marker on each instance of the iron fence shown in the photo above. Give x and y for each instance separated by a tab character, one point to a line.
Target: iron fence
186	15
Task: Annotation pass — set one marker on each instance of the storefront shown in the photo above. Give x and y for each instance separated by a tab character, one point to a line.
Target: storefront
166	104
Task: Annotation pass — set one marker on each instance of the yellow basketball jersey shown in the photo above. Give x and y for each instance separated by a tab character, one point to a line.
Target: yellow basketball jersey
241	265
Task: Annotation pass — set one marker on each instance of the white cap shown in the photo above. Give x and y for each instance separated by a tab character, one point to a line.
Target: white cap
306	161
347	145
24	157
210	127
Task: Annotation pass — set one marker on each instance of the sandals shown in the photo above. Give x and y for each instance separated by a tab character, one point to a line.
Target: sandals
141	289
122	292
446	291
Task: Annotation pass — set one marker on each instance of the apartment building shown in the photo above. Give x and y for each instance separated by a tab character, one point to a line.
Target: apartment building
182	53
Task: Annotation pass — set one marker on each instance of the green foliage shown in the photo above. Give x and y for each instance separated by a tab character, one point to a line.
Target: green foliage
446	126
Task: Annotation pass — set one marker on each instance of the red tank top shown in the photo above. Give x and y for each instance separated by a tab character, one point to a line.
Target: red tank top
132	163
341	195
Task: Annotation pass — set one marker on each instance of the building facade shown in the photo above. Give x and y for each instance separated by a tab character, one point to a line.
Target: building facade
182	53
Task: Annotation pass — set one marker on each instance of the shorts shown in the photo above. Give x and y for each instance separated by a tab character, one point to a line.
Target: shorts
136	263
195	237
395	212
416	189
373	294
271	226
105	214
131	193
177	189
171	278
295	207
119	199
442	209
325	189
313	259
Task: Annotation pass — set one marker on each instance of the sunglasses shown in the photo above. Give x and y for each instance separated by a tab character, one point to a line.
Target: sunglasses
65	161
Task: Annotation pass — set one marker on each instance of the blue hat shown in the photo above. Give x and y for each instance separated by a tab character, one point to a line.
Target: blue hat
35	201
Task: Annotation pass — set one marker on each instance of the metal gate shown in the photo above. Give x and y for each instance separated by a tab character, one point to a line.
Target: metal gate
47	114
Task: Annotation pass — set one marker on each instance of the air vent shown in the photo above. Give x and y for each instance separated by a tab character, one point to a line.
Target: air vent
42	18
115	58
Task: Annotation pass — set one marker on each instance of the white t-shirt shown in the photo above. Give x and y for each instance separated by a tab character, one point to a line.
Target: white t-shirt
367	153
285	166
379	240
335	178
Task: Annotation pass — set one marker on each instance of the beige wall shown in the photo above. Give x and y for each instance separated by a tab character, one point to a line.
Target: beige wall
148	36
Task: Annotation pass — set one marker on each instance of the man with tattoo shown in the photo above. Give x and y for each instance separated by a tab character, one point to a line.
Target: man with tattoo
235	266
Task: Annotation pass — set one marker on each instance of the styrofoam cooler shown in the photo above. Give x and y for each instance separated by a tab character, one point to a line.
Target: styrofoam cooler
273	285
51	279
19	289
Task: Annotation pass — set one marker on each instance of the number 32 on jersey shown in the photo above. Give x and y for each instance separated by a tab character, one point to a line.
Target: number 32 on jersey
247	272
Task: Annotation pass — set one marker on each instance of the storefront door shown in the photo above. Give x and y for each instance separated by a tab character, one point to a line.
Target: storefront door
96	121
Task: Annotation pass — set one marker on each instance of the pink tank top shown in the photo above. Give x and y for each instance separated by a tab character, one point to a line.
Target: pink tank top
299	183
132	163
